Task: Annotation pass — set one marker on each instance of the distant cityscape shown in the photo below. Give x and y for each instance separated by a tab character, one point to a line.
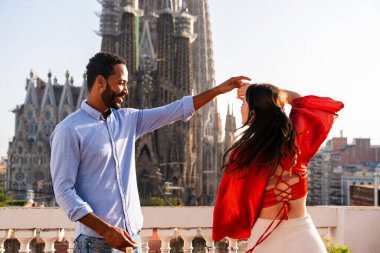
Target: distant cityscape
345	174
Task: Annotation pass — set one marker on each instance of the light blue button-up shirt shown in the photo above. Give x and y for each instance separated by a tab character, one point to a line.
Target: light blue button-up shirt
93	161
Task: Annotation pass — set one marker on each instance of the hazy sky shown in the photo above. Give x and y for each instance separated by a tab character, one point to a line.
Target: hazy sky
321	47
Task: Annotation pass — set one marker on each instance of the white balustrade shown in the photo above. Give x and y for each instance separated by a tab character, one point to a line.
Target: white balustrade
69	235
232	245
49	236
206	233
343	225
4	235
165	236
145	235
188	235
24	236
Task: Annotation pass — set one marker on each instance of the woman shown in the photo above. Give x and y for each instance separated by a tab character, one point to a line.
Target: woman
262	194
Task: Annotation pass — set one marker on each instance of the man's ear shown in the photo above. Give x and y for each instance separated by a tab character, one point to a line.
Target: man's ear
100	81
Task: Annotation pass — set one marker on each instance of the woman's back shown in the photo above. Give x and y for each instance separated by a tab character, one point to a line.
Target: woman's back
284	187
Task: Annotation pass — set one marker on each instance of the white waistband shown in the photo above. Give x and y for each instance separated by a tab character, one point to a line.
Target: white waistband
290	223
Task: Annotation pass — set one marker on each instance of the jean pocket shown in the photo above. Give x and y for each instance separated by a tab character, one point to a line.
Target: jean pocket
77	247
98	247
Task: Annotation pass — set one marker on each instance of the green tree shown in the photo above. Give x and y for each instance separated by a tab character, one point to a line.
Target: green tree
335	248
7	200
154	201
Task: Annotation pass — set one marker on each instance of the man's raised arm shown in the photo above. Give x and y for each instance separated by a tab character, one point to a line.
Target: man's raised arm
205	97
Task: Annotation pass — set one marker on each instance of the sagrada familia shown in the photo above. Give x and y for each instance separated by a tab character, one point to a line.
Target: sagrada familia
168	48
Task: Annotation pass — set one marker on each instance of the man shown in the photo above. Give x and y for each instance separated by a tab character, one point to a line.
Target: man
92	157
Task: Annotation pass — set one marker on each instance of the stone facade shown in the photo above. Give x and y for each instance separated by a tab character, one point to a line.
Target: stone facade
168	49
46	104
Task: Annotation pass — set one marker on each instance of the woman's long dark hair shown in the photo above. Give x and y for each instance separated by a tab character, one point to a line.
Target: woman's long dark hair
270	134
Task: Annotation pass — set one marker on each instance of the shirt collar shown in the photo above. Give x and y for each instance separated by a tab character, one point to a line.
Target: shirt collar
91	111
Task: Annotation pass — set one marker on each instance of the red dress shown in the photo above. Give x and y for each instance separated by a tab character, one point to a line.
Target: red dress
241	197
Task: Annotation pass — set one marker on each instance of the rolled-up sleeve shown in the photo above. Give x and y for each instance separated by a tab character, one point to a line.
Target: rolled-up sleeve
64	164
151	119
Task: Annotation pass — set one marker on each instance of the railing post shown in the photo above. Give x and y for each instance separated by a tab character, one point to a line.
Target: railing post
233	246
69	235
49	236
188	236
165	236
207	235
4	235
25	237
146	234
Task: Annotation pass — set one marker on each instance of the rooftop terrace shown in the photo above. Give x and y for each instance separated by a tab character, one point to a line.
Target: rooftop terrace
355	227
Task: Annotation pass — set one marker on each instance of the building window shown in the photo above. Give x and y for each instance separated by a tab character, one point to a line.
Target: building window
19	176
336	158
47	115
39	175
29	115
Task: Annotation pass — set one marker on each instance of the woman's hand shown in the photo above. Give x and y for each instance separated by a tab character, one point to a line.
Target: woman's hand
242	91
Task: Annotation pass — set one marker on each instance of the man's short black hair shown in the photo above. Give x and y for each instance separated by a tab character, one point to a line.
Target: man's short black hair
101	64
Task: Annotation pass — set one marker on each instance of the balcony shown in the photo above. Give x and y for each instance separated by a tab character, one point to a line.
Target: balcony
356	227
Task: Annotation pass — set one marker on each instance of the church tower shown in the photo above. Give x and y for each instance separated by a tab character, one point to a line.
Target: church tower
128	44
167	45
165	42
109	24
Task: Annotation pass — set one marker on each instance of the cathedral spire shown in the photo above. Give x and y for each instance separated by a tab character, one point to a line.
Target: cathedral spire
109	18
49	77
31	95
165	42
132	3
83	91
146	49
129	35
109	23
184	23
48	98
203	48
67	75
131	6
66	103
167	5
184	7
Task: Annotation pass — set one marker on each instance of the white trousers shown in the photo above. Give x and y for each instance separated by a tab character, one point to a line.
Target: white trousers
291	236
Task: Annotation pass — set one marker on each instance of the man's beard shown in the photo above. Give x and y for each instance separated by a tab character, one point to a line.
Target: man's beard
109	97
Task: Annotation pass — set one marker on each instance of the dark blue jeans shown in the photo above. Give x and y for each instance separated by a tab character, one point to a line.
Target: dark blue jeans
89	244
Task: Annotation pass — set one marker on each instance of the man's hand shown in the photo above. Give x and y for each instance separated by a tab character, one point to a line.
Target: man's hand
119	239
242	91
205	97
233	83
115	237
